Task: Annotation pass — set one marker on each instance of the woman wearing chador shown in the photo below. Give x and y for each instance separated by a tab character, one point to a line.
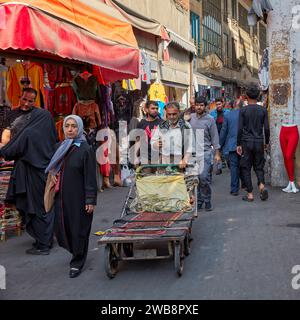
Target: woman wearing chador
73	168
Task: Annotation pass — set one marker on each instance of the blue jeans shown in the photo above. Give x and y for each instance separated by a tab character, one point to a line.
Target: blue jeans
234	160
205	177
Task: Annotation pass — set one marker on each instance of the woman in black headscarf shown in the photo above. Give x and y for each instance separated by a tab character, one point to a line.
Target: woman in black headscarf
73	168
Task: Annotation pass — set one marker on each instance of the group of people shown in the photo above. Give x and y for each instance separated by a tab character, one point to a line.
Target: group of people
240	136
30	139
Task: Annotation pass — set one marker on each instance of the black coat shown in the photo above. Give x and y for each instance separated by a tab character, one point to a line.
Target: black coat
32	149
78	187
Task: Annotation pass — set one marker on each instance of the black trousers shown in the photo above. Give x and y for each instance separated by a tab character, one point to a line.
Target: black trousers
40	228
253	156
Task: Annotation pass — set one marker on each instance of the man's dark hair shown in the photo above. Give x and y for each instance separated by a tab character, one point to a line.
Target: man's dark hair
218	100
201	99
30	90
253	91
173	104
151	102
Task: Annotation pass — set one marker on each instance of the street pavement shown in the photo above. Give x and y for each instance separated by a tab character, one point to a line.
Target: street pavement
239	251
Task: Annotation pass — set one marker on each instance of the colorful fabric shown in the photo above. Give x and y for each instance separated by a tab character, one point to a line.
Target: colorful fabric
157	92
17	73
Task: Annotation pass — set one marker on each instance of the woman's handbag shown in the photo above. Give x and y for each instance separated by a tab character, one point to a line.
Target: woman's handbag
49	193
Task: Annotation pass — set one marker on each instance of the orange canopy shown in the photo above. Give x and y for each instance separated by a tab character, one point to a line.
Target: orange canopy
91	15
33	28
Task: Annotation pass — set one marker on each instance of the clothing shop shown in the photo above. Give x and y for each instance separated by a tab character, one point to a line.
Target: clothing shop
71	63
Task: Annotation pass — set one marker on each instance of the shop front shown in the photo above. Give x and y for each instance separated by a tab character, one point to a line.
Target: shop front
72	63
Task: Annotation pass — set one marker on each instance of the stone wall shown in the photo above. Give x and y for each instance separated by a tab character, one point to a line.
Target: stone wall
284	90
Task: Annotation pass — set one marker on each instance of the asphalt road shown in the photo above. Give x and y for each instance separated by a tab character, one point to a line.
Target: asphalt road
240	251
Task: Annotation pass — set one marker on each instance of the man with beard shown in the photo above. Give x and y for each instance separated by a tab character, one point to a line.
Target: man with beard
32	141
174	137
149	125
203	121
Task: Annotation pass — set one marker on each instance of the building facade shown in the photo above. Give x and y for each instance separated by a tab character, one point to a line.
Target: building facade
229	51
284	90
176	72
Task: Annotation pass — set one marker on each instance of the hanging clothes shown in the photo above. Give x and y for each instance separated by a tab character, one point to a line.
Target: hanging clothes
22	72
263	71
157	92
107	105
145	67
85	89
65	99
89	113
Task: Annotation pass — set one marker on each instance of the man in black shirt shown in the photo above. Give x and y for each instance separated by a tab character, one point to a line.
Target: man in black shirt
253	138
149	124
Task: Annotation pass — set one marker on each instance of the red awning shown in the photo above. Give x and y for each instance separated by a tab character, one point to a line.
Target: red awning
30	29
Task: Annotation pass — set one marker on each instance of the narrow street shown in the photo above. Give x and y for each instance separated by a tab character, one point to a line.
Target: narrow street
240	251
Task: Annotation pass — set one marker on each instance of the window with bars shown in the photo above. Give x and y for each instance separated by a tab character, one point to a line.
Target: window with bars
243	18
234	9
212	27
195	30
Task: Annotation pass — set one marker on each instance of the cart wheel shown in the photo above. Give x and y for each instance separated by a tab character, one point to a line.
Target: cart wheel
187	244
178	258
110	261
128	249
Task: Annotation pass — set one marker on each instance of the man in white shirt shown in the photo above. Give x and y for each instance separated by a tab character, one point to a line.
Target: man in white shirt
174	138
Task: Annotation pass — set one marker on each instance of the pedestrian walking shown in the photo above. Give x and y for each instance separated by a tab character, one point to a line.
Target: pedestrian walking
174	137
218	114
32	138
73	168
149	125
253	138
201	120
228	143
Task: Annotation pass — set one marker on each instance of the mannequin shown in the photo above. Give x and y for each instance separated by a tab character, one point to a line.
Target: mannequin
289	138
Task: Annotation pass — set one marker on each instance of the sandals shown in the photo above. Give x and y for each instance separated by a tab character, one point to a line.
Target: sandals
264	195
245	198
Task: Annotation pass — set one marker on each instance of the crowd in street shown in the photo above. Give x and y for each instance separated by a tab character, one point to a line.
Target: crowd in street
63	174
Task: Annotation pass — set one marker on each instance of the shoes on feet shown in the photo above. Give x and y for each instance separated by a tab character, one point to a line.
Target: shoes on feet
245	198
74	272
264	195
38	252
234	193
200	205
208	206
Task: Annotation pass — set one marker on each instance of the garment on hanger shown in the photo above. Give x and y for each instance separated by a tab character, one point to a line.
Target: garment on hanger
129	85
106	104
145	67
23	72
85	89
65	99
263	71
89	112
157	92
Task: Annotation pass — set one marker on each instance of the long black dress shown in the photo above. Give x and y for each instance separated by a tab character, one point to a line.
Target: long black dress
32	148
77	187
